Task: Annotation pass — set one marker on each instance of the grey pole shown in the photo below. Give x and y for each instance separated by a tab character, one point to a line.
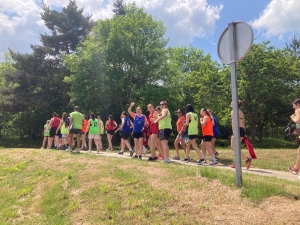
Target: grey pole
236	127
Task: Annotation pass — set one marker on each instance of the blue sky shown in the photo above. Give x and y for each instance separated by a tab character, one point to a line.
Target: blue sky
189	22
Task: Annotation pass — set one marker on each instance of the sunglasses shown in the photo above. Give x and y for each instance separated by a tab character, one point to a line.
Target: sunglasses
178	112
161	104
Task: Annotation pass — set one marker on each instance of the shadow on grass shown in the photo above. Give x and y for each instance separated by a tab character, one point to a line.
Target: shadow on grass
226	162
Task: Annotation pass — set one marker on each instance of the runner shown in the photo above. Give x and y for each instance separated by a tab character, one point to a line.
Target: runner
207	132
54	123
296	118
46	133
125	127
181	134
63	126
153	131
215	131
110	129
165	129
139	121
84	132
101	131
191	123
242	134
158	142
93	130
75	127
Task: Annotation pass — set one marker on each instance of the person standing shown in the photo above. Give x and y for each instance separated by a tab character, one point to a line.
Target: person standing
75	127
215	131
138	124
125	127
101	131
54	133
46	133
296	118
84	132
191	123
242	134
181	134
165	129
110	126
153	127
63	126
93	130
207	131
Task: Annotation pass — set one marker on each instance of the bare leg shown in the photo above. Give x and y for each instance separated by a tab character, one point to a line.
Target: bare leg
244	157
182	142
159	147
153	139
213	141
44	141
176	142
100	141
165	147
50	142
140	146
78	141
187	149
136	146
126	143
194	145
297	165
109	138
90	144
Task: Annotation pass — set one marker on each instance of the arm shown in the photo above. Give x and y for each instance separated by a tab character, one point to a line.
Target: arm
88	126
59	126
115	125
203	121
131	124
164	113
132	114
187	121
296	117
122	124
50	124
71	123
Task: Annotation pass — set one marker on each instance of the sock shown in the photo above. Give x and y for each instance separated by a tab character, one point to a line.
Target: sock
213	158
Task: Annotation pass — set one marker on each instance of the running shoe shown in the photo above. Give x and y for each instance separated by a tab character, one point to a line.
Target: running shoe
90	151
144	150
248	163
140	156
213	162
135	156
131	152
201	161
77	151
42	148
293	170
166	161
120	152
176	158
152	158
232	166
69	149
185	160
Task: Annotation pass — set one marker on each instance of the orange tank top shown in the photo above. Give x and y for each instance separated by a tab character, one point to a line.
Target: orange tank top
207	130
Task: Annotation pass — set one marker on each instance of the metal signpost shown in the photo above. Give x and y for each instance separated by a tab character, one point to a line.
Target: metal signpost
234	44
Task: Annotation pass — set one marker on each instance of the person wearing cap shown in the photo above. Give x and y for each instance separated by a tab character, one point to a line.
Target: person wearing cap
75	127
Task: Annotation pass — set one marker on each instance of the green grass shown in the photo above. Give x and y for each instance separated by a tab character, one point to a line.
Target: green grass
51	187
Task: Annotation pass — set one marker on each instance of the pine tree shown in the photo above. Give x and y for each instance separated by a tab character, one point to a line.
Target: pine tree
119	8
294	46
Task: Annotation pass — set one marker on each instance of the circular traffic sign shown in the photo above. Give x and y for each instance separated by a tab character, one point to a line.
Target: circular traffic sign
244	40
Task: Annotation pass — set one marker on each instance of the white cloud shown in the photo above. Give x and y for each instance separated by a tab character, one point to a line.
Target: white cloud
278	18
20	22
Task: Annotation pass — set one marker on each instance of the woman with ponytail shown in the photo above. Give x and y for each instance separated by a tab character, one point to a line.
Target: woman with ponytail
93	129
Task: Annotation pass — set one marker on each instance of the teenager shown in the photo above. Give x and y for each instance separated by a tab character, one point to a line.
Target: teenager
181	134
207	132
191	124
138	124
165	129
215	131
75	127
101	131
158	142
84	132
242	134
93	130
296	118
46	133
63	127
153	134
125	127
54	123
110	126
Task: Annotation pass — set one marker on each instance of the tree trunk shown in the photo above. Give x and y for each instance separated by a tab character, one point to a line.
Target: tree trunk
3	128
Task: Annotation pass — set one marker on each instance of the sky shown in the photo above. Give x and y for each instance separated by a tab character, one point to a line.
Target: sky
198	23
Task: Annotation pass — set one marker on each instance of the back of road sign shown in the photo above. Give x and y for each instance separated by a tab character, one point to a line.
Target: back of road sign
244	40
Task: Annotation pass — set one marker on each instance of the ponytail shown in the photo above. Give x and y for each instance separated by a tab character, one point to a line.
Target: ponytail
93	116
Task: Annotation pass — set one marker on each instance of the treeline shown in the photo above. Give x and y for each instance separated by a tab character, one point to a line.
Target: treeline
104	65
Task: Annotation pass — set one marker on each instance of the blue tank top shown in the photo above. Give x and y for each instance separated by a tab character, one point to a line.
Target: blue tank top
138	123
216	127
126	126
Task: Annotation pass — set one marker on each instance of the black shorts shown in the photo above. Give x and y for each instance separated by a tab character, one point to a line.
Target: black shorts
242	132
125	135
111	132
165	134
137	135
191	137
53	132
76	131
207	138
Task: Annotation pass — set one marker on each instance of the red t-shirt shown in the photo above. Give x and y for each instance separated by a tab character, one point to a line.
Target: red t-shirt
153	126
55	122
110	125
180	122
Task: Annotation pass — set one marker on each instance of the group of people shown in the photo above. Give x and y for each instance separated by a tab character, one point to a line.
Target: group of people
157	126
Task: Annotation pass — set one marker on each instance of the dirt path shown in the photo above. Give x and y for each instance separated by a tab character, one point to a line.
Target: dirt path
252	170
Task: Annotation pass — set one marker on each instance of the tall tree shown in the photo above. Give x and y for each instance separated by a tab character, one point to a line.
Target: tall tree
294	46
121	56
119	8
